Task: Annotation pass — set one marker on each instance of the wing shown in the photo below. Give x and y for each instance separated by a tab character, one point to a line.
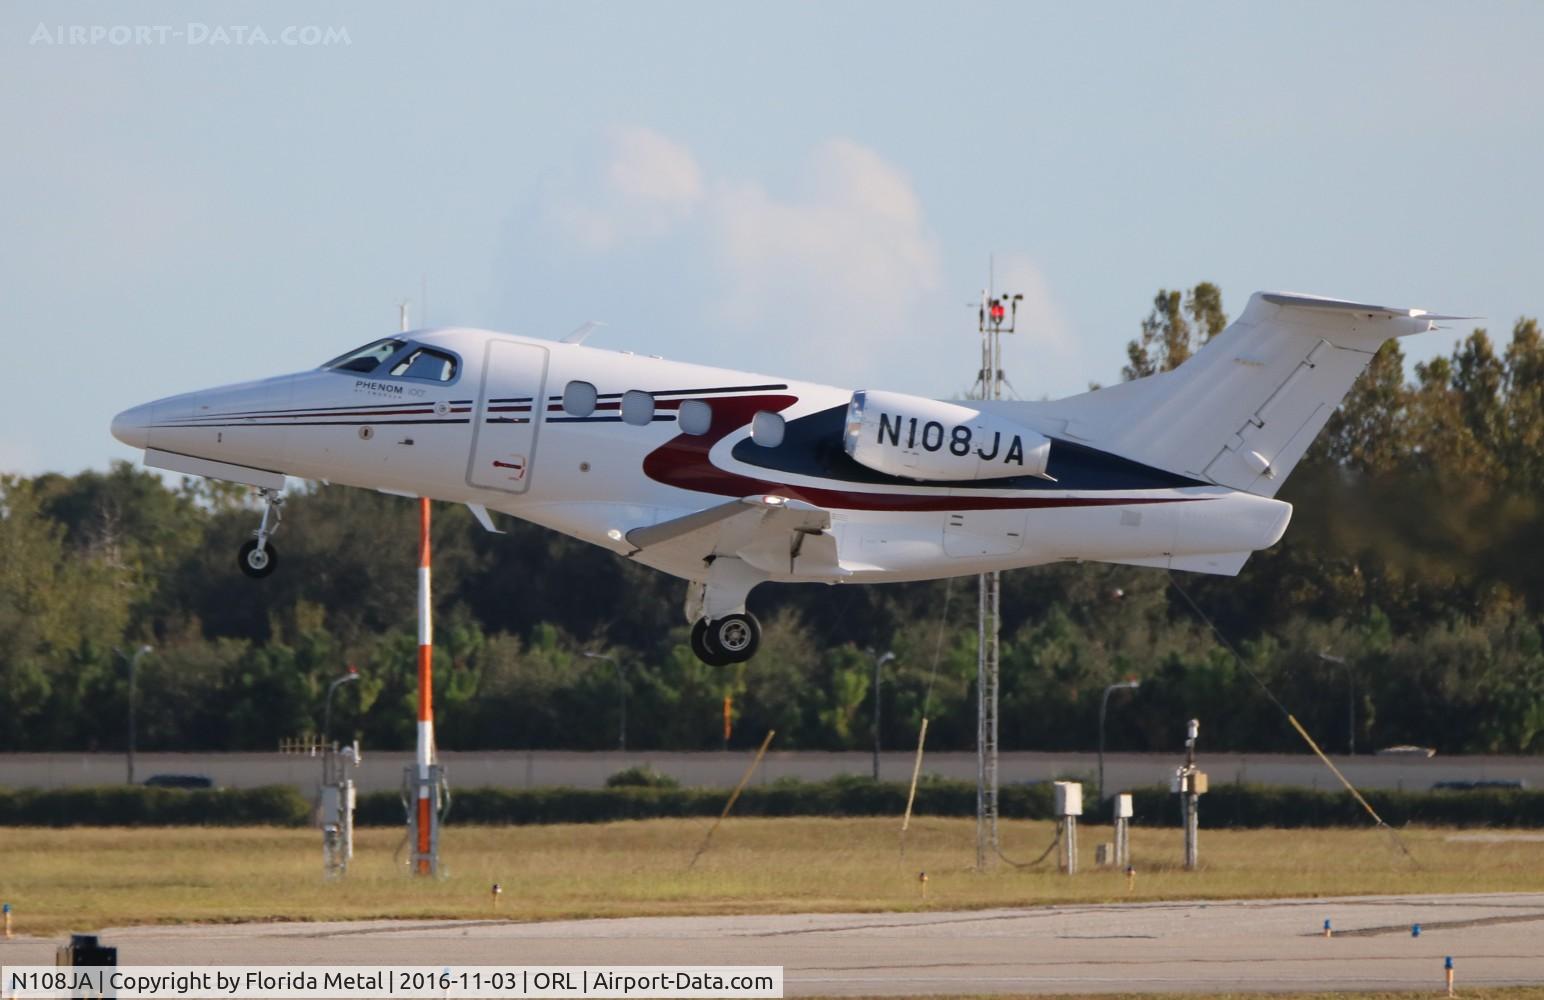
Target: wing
771	533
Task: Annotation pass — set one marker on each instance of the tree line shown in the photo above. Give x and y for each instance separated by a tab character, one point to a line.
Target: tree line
1403	606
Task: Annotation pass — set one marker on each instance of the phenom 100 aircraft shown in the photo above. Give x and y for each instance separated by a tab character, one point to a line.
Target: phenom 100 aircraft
729	479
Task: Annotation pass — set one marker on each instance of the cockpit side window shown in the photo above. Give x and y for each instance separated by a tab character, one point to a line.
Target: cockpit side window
366	359
427	364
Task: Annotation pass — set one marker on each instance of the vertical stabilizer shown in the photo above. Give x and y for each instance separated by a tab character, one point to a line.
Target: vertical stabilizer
1245	408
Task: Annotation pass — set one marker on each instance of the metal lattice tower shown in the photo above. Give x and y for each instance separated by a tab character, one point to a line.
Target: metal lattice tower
997	315
987	629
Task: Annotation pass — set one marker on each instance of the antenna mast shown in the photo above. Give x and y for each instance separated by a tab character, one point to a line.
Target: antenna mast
996	315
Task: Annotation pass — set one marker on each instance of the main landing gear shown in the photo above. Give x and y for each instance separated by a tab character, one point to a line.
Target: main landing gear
731	639
258	557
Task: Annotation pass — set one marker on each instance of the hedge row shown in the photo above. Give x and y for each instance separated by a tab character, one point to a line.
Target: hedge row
1252	806
135	805
1237	806
838	797
1240	806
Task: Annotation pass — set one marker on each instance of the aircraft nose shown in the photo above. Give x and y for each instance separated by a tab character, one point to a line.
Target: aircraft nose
132	426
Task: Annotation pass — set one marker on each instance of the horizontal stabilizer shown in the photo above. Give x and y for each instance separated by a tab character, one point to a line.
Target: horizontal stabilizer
1341	305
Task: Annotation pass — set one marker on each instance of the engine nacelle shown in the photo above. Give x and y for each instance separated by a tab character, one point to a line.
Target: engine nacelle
930	440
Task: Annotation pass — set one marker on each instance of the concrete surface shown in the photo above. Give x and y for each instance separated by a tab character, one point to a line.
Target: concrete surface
1242	945
523	769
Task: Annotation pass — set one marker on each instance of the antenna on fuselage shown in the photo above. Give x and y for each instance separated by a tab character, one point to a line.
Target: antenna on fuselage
402	315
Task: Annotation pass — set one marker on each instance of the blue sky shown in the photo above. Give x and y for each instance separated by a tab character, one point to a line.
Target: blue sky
807	190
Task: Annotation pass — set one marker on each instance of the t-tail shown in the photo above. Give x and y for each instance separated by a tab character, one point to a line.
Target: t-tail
1242	411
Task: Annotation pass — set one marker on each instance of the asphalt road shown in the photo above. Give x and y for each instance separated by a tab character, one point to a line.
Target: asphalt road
1241	945
520	769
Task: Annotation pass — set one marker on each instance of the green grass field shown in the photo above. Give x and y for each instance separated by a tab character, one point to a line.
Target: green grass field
83	879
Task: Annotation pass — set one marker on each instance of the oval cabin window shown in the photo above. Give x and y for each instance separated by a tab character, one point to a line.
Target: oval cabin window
579	399
695	417
637	408
767	429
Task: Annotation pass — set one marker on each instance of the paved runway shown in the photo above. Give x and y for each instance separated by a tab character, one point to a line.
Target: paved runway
1241	945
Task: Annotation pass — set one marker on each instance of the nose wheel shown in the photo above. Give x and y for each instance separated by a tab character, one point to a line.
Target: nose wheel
258	558
730	639
258	562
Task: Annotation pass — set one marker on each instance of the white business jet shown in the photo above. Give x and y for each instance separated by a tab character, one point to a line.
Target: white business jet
728	479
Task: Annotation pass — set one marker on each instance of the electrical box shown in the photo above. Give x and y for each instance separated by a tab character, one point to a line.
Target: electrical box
85	950
1188	782
1123	806
1104	854
1069	798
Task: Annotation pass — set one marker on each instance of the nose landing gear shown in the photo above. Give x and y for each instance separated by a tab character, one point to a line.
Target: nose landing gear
258	558
731	639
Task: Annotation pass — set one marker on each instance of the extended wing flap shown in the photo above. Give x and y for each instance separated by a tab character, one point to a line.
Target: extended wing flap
772	533
701	523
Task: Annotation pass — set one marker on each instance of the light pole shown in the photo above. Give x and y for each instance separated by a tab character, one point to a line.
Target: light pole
879	662
352	675
1104	704
1329	657
133	662
621	696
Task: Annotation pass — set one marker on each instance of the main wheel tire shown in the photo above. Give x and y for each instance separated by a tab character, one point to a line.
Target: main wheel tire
700	647
735	637
257	563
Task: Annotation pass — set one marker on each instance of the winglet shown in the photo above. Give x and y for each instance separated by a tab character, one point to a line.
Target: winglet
577	337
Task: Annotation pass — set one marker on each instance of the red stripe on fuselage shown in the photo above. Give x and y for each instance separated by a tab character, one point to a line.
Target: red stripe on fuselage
683	462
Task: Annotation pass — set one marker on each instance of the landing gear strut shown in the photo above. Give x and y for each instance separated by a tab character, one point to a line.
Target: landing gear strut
730	639
258	557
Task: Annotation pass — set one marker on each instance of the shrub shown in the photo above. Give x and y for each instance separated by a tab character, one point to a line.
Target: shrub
641	776
136	805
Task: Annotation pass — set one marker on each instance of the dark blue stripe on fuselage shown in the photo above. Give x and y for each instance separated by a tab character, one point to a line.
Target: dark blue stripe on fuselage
709	391
308	423
657	418
812	446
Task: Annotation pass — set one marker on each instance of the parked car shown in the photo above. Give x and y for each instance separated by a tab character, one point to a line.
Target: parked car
1470	786
1406	750
179	781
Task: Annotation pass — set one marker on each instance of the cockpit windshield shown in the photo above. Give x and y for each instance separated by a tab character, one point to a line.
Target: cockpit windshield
424	363
367	358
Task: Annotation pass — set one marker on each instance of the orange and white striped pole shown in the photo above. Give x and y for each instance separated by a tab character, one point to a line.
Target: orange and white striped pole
425	694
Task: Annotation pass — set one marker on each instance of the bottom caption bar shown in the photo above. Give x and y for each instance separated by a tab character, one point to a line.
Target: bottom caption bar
350	982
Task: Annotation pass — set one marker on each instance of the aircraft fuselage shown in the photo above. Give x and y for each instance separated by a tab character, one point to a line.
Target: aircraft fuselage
497	433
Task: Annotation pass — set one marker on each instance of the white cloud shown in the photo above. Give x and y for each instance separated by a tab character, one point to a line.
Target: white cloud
649	168
834	275
842	263
644	186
